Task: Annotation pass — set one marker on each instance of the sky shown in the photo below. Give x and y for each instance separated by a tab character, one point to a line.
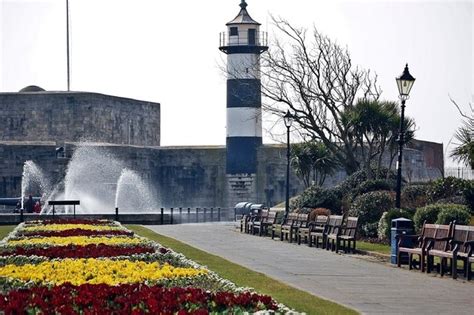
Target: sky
167	52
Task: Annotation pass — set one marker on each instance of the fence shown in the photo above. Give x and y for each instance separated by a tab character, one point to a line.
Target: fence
459	172
161	216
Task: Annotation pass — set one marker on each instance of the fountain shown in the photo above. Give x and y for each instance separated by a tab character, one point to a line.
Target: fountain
100	181
33	181
132	193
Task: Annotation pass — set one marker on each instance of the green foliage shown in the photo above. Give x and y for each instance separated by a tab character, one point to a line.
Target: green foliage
427	213
354	181
464	150
369	208
372	185
318	197
452	212
312	161
468	194
385	223
444	188
414	196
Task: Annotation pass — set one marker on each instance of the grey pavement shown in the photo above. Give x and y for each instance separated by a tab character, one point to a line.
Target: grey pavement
369	287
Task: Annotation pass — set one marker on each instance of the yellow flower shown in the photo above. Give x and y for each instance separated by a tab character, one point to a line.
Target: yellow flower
78	240
63	227
96	271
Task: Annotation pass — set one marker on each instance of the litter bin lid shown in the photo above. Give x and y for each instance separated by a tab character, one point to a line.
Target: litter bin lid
402	223
241	205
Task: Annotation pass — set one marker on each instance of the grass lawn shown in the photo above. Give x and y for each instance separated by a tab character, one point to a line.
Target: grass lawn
294	298
373	247
5	229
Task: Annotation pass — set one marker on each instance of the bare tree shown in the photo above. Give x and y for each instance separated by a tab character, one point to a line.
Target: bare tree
316	80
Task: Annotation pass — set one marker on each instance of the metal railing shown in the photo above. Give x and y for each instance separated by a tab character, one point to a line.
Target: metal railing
243	39
459	172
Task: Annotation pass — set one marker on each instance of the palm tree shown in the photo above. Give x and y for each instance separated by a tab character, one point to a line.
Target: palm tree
374	126
312	162
464	151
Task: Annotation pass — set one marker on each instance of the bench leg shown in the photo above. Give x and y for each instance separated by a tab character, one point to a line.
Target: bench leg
454	267
468	270
425	260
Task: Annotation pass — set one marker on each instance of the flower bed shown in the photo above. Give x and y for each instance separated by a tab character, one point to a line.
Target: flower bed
74	267
130	299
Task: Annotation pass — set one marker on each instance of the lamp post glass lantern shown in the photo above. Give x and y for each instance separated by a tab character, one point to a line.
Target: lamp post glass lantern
404	83
288	119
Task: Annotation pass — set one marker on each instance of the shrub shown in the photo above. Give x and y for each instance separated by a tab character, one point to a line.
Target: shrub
468	194
318	211
359	183
452	212
372	185
444	188
385	223
318	197
414	196
427	213
369	208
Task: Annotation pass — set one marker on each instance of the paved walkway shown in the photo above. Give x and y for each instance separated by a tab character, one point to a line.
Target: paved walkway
369	287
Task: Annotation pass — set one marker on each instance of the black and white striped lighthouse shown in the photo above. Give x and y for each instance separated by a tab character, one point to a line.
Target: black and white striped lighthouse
243	43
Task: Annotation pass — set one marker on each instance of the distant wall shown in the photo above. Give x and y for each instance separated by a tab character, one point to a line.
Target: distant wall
187	176
77	116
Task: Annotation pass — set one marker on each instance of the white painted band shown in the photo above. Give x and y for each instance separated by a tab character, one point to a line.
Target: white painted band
243	66
244	122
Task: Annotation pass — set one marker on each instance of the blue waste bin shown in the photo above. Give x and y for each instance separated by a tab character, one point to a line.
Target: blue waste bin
400	226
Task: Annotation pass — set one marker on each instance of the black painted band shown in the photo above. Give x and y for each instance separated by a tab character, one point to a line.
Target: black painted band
244	93
242	154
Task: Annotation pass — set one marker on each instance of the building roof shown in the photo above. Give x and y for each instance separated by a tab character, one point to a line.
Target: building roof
32	88
243	17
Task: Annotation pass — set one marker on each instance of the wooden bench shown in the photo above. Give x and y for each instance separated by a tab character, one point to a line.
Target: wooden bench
284	225
419	245
255	220
453	247
332	230
321	233
346	233
261	227
300	222
314	227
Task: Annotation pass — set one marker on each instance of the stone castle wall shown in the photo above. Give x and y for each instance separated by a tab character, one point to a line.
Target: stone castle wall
188	176
77	116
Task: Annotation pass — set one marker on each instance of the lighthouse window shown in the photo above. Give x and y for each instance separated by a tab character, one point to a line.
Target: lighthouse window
234	31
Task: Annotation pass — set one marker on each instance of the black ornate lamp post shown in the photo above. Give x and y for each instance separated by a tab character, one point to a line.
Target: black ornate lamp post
404	83
288	118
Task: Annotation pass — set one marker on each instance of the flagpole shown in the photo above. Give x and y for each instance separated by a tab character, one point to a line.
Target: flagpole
67	44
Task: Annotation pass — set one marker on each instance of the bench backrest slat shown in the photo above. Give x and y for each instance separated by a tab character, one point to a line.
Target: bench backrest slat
463	233
351	225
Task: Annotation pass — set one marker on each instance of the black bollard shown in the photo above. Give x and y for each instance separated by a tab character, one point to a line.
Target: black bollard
219	214
189	215
180	215
212	214
197	215
161	217
116	214
205	210
171	219
21	215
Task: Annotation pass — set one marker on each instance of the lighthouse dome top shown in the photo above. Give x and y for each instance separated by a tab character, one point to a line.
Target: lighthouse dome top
243	17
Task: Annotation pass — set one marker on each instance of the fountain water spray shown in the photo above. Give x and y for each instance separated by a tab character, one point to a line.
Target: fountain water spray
33	179
132	193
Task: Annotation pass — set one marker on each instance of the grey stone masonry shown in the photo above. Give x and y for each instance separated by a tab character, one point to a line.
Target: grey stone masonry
78	116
